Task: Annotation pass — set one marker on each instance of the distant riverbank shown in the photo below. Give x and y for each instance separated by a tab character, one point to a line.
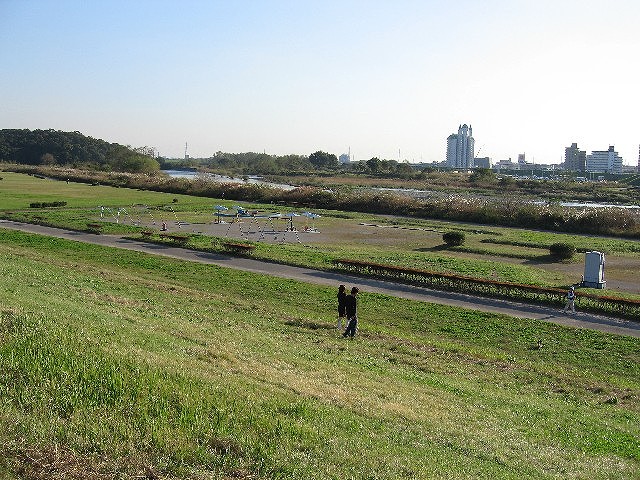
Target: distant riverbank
426	194
503	210
253	179
410	192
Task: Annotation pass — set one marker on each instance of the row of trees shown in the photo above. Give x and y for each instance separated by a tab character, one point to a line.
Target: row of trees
53	147
265	164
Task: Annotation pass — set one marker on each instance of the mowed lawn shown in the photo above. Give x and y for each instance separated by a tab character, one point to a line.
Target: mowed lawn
19	190
116	364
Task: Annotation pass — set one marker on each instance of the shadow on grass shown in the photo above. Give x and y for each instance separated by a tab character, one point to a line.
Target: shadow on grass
547	259
437	248
308	325
536	260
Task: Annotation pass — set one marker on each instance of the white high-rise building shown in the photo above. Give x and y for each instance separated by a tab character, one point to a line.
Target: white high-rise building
460	148
606	161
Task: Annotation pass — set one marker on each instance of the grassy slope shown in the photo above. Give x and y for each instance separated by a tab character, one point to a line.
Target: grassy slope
132	363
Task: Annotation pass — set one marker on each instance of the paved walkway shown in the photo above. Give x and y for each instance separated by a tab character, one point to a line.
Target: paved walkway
534	312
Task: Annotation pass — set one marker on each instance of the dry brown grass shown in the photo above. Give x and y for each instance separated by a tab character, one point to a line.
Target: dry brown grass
52	462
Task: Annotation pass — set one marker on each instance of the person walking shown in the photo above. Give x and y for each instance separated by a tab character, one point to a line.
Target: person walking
351	304
571	300
342	309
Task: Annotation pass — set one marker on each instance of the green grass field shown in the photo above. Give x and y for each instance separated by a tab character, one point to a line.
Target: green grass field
121	364
19	190
504	254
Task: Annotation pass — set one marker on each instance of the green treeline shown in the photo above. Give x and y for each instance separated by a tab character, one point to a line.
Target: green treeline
53	147
251	163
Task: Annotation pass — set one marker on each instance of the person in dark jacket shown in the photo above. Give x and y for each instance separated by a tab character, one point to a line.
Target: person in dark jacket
351	304
342	309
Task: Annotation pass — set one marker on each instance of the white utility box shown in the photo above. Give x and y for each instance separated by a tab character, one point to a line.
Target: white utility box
594	270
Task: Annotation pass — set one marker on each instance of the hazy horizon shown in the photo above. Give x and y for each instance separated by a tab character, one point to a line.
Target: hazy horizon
385	79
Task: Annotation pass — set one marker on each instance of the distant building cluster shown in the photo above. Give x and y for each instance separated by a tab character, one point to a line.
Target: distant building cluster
600	161
606	161
460	155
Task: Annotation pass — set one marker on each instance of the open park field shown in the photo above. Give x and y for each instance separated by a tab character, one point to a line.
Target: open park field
118	364
497	253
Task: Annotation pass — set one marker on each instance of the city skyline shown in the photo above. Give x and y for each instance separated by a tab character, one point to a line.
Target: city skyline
386	80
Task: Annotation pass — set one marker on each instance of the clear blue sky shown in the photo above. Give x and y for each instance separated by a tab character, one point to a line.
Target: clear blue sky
386	78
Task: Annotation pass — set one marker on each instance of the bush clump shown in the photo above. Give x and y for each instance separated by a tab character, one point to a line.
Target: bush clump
562	251
453	239
47	204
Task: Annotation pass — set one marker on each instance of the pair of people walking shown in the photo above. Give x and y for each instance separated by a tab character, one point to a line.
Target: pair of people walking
348	310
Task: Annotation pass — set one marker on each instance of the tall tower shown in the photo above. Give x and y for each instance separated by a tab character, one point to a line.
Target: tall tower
186	155
460	148
638	158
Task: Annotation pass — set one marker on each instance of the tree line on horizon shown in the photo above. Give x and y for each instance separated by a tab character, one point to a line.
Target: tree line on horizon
317	162
54	147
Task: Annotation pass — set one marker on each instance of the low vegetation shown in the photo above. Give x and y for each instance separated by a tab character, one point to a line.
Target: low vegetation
505	210
453	239
562	251
118	364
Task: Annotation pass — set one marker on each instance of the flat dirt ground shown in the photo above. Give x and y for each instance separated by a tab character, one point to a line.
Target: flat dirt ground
622	273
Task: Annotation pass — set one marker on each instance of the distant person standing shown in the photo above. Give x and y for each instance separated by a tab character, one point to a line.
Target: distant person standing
571	300
351	304
342	308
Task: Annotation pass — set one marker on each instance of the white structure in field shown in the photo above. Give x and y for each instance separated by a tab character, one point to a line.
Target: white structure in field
460	148
606	161
594	270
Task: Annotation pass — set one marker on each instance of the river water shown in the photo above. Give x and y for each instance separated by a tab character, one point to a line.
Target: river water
253	179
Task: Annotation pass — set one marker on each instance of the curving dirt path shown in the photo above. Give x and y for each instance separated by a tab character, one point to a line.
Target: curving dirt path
533	312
